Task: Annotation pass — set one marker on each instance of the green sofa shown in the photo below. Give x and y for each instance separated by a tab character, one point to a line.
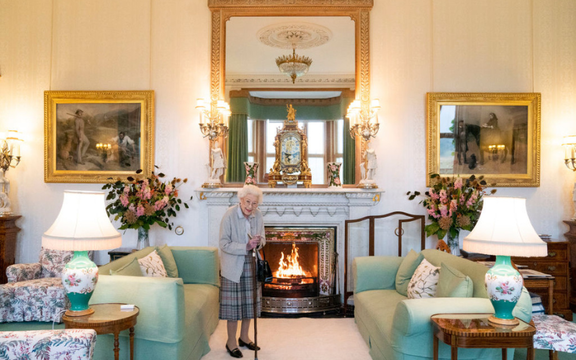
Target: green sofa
398	328
177	315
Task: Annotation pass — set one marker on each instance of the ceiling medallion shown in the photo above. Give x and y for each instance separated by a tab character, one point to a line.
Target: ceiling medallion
292	36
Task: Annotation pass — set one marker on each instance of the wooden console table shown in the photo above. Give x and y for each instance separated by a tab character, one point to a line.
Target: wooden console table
106	319
571	237
474	331
8	233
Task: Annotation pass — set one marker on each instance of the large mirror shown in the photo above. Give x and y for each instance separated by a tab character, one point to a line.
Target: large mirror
247	42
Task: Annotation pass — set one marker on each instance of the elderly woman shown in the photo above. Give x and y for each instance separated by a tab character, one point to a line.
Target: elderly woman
241	230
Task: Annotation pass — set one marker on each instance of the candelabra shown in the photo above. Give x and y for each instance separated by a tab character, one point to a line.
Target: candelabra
213	124
103	150
363	120
569	145
496	152
364	124
9	157
213	120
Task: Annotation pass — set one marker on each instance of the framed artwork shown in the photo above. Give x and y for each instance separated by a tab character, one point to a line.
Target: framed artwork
492	134
91	136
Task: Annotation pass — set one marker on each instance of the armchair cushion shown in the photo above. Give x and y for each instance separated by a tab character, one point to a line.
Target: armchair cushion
53	261
424	281
34	300
48	344
152	265
23	272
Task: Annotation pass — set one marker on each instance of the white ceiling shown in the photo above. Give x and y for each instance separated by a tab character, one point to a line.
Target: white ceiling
246	55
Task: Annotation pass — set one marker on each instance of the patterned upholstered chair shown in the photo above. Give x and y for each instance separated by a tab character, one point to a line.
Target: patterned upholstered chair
48	344
34	292
555	334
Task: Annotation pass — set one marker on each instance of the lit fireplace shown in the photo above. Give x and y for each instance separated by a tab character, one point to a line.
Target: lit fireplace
303	262
294	275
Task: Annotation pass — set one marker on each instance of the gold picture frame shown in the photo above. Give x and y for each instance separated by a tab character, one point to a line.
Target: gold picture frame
92	136
492	134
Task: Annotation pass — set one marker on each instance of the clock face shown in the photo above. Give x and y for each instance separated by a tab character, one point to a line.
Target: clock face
290	150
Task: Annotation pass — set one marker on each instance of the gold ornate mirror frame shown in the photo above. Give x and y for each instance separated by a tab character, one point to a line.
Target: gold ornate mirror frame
357	10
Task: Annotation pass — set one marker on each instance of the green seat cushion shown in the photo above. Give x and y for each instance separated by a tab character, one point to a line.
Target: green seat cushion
406	270
453	283
130	269
168	260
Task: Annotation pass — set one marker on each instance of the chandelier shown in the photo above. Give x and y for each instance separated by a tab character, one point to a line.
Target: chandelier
293	65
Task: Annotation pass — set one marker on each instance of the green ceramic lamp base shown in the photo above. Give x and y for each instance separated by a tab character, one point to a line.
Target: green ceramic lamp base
79	278
504	287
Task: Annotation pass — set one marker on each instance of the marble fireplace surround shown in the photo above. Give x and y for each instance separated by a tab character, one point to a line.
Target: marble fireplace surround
295	207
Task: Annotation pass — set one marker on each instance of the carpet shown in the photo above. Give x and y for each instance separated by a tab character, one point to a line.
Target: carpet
293	339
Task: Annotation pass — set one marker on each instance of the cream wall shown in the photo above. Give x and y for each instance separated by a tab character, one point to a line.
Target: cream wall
417	46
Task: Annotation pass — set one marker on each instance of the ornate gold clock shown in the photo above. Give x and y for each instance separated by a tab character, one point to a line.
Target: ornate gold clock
291	144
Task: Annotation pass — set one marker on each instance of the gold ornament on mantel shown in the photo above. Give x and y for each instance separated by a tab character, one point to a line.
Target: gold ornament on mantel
291	144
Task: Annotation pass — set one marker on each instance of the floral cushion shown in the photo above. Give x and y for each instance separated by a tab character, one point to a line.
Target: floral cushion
554	333
424	281
152	265
34	300
77	344
23	272
53	261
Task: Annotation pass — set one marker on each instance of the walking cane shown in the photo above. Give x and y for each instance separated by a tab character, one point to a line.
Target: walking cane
255	303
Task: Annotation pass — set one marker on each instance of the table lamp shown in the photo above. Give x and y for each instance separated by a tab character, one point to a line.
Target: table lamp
81	225
504	230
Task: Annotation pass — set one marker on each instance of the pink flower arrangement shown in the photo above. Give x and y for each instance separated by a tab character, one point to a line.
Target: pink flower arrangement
143	202
452	204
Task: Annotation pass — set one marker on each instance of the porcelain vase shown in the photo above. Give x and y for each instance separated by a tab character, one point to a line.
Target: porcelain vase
79	278
143	239
333	169
251	173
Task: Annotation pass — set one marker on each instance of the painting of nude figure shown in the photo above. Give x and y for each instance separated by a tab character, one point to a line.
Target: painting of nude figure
93	136
495	135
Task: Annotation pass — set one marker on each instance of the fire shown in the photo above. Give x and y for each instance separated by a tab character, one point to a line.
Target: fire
289	265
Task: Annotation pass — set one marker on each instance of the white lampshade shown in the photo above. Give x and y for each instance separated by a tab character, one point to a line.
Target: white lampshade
82	224
504	229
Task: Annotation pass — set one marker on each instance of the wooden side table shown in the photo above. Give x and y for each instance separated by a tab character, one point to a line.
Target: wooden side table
8	233
107	319
474	331
120	252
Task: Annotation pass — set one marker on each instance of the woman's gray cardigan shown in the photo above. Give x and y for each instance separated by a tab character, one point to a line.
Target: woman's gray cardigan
233	240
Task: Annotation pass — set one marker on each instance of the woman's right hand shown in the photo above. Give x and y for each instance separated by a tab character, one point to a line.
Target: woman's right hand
253	242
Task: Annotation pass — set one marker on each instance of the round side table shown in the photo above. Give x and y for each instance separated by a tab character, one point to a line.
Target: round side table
107	319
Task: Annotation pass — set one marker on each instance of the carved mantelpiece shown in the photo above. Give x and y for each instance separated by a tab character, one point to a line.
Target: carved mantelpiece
294	207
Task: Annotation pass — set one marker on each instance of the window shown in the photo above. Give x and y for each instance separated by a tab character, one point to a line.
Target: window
325	144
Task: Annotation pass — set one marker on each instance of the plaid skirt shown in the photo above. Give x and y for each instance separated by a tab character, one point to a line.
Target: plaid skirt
237	299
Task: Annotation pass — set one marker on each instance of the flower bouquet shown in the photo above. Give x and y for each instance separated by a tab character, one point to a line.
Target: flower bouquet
452	204
138	204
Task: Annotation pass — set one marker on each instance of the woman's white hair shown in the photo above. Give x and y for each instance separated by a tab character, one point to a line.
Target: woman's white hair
250	190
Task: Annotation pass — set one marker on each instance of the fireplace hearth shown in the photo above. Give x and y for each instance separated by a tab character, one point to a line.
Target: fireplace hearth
303	261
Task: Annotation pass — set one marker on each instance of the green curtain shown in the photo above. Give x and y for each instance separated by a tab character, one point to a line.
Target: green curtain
349	173
237	147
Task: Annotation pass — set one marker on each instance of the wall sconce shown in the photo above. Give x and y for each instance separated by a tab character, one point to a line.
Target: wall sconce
214	120
364	124
361	123
9	157
103	150
213	124
569	145
496	151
